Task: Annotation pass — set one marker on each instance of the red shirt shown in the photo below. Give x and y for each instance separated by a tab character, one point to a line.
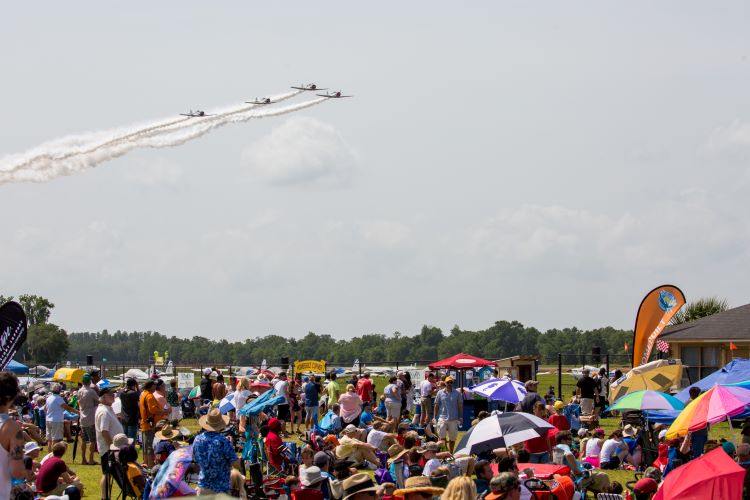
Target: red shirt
538	445
560	422
273	450
364	390
49	473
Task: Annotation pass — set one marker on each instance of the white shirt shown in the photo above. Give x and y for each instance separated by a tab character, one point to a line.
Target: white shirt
282	389
608	449
375	438
105	420
431	466
425	388
240	398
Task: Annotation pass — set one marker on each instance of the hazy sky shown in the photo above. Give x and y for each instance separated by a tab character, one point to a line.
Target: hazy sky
544	162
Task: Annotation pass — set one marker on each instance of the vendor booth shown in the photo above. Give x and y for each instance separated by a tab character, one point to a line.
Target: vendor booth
464	367
521	368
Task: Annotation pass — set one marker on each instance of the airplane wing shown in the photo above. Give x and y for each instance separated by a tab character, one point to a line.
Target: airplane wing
330	96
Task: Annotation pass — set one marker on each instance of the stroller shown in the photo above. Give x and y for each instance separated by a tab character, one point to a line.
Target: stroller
188	408
558	488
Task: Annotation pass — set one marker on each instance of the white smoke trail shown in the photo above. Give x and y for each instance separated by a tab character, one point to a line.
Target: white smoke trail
67	147
44	168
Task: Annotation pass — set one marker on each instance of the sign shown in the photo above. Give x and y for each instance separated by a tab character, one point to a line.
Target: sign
13	330
310	366
654	313
185	380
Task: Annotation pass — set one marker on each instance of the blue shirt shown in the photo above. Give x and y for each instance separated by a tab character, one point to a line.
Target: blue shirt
448	404
55	411
215	455
336	423
392	393
311	394
365	418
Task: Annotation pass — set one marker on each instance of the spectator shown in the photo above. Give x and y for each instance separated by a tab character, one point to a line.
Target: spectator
645	489
130	412
173	400
282	410
206	389
614	451
426	392
504	486
274	445
380	439
30	454
165	445
128	457
591	448
342	469
588	390
218	387
433	459
365	388
54	409
449	407
408	394
539	447
603	387
483	472
312	398
11	436
214	454
106	427
95	378
460	488
558	419
312	480
392	395
366	418
359	487
88	401
350	448
743	459
161	396
351	406
151	413
336	421
333	389
698	438
54	476
295	395
418	488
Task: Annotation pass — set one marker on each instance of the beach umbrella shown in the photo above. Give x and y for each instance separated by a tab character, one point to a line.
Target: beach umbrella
716	404
646	400
501	389
226	405
195	392
104	383
713	475
502	430
659	375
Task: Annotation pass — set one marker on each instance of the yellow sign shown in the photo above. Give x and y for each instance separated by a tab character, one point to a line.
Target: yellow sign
310	366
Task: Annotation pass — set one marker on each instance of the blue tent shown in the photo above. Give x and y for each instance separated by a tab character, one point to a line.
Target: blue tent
17	368
738	370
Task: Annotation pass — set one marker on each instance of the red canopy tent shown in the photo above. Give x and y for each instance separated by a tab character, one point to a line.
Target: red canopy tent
713	475
460	361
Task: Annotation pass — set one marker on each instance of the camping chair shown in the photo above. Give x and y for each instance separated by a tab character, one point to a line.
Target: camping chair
118	474
609	496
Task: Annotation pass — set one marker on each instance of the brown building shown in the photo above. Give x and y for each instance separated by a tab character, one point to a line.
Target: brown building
703	345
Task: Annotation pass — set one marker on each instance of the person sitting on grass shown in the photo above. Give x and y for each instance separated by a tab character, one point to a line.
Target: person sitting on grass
274	445
54	475
350	448
504	486
645	489
434	458
614	452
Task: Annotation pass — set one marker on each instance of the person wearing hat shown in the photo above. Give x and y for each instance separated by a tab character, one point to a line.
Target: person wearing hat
88	401
311	481
558	419
54	409
206	385
30	454
418	488
630	438
505	485
274	445
531	398
106	427
214	454
343	469
353	449
645	489
323	461
449	408
359	487
588	390
151	412
166	436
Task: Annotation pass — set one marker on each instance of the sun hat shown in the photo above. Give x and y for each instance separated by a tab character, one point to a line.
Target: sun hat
358	483
321	458
30	446
559	405
167	433
628	431
349	428
310	476
213	421
214	376
119	441
418	484
645	485
396	451
431	446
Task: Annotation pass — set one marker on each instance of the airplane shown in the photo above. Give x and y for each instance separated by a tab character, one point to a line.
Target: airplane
195	114
310	86
265	100
335	95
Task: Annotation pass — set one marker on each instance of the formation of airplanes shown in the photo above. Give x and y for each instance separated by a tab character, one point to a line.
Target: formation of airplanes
310	87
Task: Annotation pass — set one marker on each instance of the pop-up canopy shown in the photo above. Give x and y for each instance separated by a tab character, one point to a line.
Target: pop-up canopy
460	361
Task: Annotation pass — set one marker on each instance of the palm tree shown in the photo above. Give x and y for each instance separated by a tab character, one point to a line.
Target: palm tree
705	306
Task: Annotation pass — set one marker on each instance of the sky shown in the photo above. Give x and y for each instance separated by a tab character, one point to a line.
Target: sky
542	162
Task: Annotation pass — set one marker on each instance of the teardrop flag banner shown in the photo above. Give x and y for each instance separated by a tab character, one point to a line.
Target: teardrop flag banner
13	330
654	313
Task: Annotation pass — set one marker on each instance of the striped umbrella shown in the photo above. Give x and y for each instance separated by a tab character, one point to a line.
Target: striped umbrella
501	431
646	400
501	389
716	404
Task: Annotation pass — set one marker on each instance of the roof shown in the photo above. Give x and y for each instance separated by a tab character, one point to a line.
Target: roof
461	361
531	357
733	324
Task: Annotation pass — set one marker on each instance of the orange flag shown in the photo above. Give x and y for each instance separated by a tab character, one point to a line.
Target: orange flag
732	346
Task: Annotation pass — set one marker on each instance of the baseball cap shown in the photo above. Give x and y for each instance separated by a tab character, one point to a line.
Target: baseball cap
207	371
559	405
86	377
449	379
350	428
321	458
646	485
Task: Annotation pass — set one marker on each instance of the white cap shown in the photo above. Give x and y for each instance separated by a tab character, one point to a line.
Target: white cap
207	371
662	433
29	447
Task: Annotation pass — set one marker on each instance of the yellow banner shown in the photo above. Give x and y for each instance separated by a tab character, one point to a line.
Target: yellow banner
310	366
656	309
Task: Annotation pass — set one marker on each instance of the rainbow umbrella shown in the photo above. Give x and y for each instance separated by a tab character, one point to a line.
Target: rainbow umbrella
646	400
716	404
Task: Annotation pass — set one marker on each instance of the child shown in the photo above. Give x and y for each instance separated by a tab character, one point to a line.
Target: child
366	417
307	454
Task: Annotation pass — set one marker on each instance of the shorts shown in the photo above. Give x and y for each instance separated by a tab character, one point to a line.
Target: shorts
426	406
89	434
587	406
602	403
104	459
55	431
393	409
148	442
282	412
447	428
312	413
614	463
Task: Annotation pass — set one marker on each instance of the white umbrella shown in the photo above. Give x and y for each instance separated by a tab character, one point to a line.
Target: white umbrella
502	430
501	389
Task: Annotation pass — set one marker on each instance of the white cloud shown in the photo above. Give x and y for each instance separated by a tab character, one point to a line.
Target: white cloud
303	151
386	234
156	174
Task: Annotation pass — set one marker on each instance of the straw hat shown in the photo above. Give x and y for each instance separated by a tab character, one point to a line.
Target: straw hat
396	451
628	431
418	484
119	441
213	421
167	433
358	483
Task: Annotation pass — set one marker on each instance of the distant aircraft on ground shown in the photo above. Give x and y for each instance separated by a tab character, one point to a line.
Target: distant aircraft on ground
265	100
195	114
309	86
335	95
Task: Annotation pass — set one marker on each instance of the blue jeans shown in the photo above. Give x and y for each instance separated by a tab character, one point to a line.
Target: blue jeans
699	439
539	458
131	431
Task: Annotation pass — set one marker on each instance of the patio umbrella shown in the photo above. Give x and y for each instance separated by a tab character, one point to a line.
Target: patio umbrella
501	389
226	404
713	475
716	404
646	400
659	375
195	392
502	430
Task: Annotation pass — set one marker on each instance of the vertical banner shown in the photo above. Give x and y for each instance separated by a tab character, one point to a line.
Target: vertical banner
654	313
13	331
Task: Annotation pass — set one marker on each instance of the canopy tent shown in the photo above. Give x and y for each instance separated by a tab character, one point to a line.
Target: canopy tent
738	370
17	368
659	375
69	375
460	361
713	475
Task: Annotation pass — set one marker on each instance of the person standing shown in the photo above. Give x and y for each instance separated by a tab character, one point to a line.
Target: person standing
206	382
532	397
107	427
602	382
282	390
151	412
88	400
333	390
588	390
214	454
449	408
54	409
365	388
697	438
312	394
173	400
392	403
131	414
426	390
11	436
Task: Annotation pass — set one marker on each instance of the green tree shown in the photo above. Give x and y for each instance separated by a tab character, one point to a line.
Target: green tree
4	299
705	306
37	308
47	342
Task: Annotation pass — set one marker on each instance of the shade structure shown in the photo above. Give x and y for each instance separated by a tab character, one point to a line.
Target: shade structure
74	375
460	361
658	375
646	400
736	371
713	475
501	389
195	392
716	404
16	367
502	430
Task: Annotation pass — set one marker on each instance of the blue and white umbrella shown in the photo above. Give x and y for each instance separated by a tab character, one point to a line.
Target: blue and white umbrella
501	389
104	383
226	405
